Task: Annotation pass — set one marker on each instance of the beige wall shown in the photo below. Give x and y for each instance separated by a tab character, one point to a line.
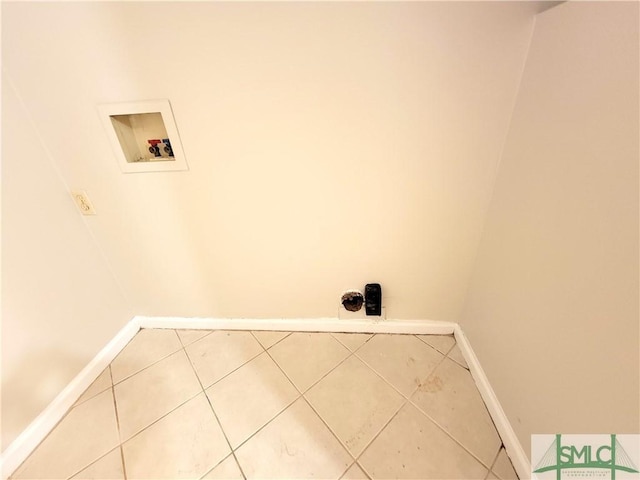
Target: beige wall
60	302
329	144
552	310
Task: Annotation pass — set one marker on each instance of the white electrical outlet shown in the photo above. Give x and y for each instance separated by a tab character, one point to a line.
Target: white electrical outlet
82	201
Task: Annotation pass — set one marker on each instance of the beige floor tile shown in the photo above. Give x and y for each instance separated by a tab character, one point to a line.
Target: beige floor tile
87	433
227	470
153	392
352	341
442	343
503	467
403	360
355	403
109	466
99	385
296	444
146	348
412	446
451	398
185	444
170	430
456	355
268	339
187	337
354	473
221	352
248	398
307	357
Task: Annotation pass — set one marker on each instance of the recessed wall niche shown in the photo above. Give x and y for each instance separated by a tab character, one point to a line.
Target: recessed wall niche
143	136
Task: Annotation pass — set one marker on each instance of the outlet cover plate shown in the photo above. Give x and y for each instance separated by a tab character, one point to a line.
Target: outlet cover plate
82	202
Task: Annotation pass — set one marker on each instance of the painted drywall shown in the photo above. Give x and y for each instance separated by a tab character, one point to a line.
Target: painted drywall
60	302
552	310
330	144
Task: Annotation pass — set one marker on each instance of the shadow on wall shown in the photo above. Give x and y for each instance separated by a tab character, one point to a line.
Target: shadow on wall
21	400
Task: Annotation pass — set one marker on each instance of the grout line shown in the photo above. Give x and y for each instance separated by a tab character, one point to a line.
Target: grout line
277	414
355	464
254	336
113	385
309	404
178	337
262	427
391	384
147	366
465	366
306	390
124	466
498	454
216	466
405	397
342	444
369	477
373	439
279	411
371	335
226	374
437	424
495	459
273	344
22	464
93	462
353	457
244	477
421	410
321	378
345	472
445	353
251	332
215	415
78	402
517	455
407	400
348	467
115	406
434	421
185	345
119	446
23	447
160	418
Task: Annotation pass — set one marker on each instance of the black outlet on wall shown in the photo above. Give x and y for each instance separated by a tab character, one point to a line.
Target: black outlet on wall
373	299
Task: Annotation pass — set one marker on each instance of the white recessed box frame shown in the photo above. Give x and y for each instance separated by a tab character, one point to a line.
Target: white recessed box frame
179	163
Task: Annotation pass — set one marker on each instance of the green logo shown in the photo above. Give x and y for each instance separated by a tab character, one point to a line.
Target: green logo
608	456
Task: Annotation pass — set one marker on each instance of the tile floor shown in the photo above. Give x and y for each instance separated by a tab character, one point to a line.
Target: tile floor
234	404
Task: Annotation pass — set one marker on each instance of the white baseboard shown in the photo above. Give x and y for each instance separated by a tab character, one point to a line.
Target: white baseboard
427	327
30	438
512	445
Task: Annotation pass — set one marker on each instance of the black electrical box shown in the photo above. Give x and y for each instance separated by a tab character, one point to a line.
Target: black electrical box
373	299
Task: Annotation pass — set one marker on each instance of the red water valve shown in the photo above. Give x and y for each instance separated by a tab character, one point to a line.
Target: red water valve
154	148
